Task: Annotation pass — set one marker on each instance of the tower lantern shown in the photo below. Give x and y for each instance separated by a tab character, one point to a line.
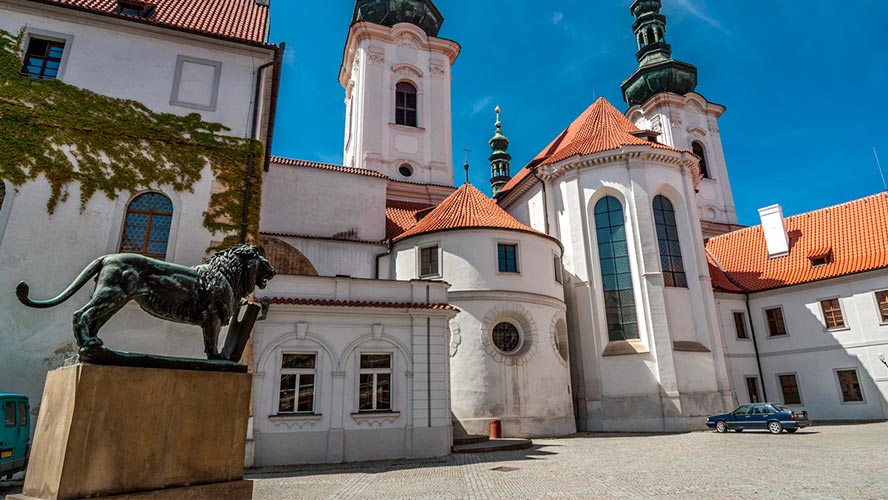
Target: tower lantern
499	159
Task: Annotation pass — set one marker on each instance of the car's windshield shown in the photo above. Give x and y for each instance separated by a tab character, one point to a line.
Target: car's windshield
781	408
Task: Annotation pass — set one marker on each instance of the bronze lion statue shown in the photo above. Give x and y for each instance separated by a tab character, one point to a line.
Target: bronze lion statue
206	295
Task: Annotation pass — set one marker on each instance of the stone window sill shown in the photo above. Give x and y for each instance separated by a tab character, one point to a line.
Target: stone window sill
688	346
376	414
294	417
625	348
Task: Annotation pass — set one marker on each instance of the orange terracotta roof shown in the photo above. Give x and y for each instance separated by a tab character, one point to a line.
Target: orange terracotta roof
353	303
600	128
466	208
401	216
242	20
853	234
326	166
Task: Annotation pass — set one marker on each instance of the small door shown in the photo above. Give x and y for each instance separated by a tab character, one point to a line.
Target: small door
752	388
741	418
23	421
758	417
8	432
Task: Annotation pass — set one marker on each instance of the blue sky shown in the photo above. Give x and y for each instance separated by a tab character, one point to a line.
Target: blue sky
802	81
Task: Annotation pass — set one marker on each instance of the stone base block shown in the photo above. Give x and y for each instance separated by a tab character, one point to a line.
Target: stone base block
109	430
233	490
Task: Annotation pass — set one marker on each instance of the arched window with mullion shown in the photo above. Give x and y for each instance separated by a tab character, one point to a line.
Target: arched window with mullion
616	270
670	247
146	229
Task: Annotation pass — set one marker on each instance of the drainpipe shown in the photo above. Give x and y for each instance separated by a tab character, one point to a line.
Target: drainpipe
758	360
254	127
388	251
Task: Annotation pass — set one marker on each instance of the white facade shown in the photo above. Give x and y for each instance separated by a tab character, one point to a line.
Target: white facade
681	122
810	351
416	423
528	389
168	71
377	58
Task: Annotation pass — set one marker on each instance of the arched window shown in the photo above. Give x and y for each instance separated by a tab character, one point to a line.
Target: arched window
701	152
670	249
650	36
146	229
616	272
405	104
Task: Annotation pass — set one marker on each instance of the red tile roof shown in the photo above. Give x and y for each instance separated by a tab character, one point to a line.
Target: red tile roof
466	208
326	166
401	216
243	20
853	234
600	128
352	303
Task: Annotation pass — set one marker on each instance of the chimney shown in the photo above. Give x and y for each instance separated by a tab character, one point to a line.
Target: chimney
775	231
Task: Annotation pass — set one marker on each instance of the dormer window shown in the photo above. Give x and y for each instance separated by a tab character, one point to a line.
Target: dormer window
135	8
819	257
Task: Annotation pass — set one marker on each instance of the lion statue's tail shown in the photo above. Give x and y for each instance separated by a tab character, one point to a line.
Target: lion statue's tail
21	291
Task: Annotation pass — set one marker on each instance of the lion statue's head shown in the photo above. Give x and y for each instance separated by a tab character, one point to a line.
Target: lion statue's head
247	267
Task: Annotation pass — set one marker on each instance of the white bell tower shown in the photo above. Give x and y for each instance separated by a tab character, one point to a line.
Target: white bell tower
396	75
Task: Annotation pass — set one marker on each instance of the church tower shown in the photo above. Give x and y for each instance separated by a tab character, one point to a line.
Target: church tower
499	158
662	97
396	75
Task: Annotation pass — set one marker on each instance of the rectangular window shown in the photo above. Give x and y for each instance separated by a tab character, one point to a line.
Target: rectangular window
508	257
740	325
832	314
428	262
22	414
789	385
849	385
882	301
776	326
9	410
375	383
752	389
297	383
559	272
43	58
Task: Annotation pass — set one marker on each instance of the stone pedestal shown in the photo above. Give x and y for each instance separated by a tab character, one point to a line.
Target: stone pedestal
120	432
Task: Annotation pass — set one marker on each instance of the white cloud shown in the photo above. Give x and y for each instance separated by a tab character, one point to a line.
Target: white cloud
480	105
696	10
557	17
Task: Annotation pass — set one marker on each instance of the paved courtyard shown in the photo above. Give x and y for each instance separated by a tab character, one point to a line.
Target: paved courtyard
819	462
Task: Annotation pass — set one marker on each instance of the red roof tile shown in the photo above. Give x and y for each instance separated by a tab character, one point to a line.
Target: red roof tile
243	20
401	216
600	128
326	166
466	208
351	303
855	235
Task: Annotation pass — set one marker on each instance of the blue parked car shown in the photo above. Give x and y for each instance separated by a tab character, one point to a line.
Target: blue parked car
15	433
771	416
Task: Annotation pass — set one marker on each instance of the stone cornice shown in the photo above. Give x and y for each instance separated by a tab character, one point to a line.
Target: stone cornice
668	99
680	159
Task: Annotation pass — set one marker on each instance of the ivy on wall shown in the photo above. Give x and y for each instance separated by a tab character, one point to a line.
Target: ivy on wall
112	146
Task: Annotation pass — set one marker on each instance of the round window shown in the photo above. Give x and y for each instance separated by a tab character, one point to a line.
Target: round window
405	170
506	337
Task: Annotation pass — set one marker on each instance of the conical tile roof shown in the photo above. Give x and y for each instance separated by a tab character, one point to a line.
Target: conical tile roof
466	208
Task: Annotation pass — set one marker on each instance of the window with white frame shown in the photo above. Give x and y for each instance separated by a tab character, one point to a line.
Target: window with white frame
559	271
789	387
882	304
428	262
776	324
849	386
297	389
507	257
43	58
375	382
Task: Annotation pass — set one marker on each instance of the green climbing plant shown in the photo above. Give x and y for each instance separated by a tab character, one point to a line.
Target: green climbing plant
112	146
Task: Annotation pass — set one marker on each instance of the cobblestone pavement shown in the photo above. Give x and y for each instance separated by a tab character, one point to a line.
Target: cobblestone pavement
818	462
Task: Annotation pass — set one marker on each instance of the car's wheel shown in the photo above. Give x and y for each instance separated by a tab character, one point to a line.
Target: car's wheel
791	430
775	427
721	426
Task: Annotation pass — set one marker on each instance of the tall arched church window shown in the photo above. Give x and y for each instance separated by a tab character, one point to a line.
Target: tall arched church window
146	229
405	104
670	249
700	151
616	272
